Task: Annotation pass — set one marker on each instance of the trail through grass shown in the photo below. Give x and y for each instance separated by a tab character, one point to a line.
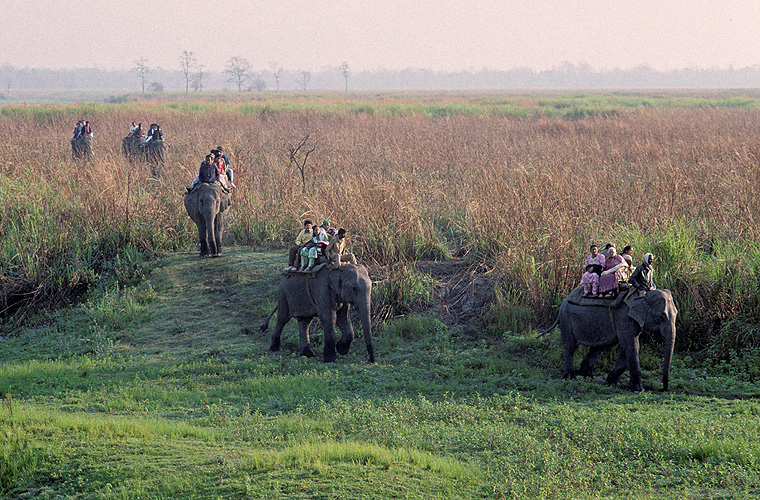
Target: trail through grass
167	390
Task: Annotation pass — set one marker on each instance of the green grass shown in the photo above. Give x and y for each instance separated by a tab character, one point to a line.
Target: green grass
141	393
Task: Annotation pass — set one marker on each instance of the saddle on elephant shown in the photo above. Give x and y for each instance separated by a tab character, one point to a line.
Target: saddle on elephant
625	292
312	272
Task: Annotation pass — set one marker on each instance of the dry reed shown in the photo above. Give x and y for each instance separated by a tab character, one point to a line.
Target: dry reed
524	196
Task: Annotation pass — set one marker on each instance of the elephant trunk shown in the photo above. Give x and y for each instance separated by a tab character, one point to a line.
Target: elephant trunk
669	336
363	309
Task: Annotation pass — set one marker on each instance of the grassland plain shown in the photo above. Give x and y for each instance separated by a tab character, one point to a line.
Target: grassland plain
141	393
513	187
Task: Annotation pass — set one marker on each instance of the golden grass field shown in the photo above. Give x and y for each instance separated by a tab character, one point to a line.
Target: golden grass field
518	194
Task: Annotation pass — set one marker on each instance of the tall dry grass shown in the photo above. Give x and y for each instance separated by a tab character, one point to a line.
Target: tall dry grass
524	196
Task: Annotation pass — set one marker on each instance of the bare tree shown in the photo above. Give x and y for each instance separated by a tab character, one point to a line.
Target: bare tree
344	72
198	79
238	71
187	61
142	70
304	79
277	72
299	155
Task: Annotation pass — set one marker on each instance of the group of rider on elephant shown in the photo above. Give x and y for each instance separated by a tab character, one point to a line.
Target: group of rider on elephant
315	242
215	167
136	132
604	272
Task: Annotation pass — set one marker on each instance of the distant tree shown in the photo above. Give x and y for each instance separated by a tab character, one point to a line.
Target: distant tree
186	62
344	72
142	70
258	82
277	72
156	87
198	79
238	71
304	79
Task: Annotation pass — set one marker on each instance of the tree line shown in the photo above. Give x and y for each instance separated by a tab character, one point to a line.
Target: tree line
240	75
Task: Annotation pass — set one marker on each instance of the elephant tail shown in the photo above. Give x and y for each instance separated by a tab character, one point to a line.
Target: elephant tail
550	329
265	325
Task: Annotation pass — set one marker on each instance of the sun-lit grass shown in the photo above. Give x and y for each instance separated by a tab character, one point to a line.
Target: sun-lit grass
171	404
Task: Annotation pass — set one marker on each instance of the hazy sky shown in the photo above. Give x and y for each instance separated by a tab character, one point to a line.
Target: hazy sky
393	34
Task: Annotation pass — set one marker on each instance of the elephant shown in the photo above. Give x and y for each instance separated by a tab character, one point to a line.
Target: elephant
81	147
132	146
152	152
206	205
327	293
155	151
605	325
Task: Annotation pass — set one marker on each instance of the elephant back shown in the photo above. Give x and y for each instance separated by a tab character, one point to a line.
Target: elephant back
577	298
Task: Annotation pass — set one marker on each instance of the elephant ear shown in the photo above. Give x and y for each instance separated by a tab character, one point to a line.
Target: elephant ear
638	311
224	204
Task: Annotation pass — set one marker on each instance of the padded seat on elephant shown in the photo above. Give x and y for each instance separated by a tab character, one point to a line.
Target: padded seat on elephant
321	262
198	185
576	297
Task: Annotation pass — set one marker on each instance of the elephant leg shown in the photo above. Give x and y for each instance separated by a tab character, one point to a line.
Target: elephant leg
634	369
203	236
587	365
304	343
283	316
343	322
620	366
218	229
328	326
569	346
211	235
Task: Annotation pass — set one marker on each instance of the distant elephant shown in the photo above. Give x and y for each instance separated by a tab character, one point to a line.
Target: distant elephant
206	205
155	151
327	293
81	147
132	146
601	326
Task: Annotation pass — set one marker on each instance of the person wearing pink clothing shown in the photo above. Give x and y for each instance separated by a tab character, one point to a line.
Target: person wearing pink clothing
608	281
594	267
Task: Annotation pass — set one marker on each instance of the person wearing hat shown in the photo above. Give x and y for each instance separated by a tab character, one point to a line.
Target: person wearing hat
641	278
326	229
336	250
151	131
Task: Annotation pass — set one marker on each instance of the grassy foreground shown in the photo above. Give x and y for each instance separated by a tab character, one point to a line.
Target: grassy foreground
167	390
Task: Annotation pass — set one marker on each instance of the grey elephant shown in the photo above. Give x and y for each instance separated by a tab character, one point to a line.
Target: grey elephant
606	324
132	146
328	294
81	147
206	205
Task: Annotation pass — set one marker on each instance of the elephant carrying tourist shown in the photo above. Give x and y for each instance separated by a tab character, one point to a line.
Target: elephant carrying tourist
328	293
206	204
603	323
153	152
81	147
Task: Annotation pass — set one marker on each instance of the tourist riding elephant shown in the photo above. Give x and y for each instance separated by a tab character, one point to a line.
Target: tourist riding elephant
327	293
206	205
601	326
